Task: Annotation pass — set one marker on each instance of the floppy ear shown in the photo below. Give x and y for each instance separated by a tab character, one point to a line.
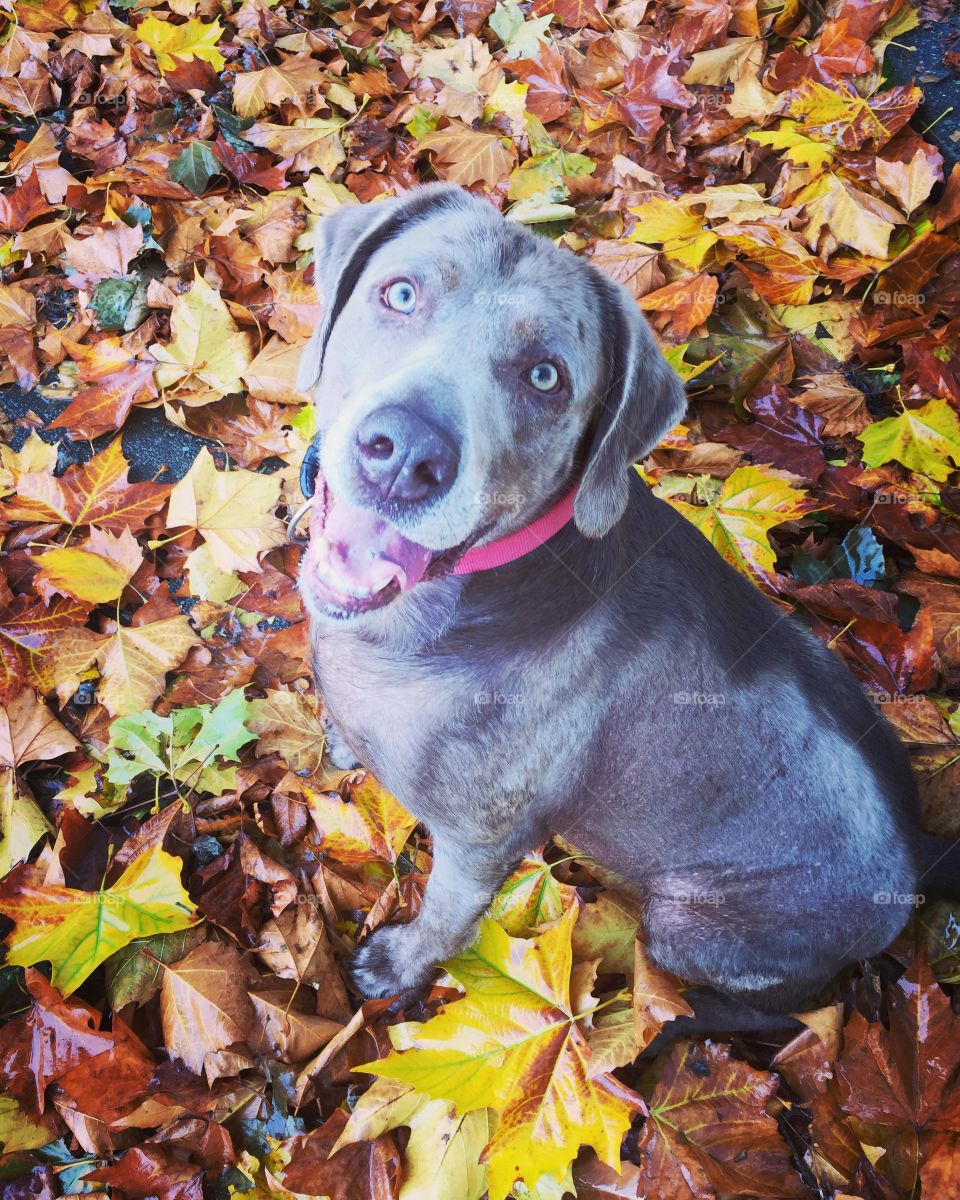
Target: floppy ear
643	399
336	235
344	243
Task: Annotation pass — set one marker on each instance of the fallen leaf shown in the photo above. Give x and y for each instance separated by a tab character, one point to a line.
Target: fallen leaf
513	1044
96	571
371	827
749	505
207	354
76	931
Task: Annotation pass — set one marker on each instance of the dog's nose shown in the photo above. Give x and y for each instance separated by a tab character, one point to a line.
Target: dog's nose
403	456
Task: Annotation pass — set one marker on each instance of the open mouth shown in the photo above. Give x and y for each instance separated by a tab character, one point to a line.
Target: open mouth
356	561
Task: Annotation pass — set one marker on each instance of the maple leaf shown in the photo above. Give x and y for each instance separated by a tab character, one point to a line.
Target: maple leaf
76	931
96	493
118	380
297	81
41	1045
442	1160
29	732
134	659
531	897
923	439
839	213
97	570
188	746
841	117
737	521
470	156
314	1169
373	827
800	148
680	231
721	65
521	38
233	510
910	182
709	1130
207	353
901	1085
204	1005
24	204
193	39
688	302
104	254
513	1044
288	723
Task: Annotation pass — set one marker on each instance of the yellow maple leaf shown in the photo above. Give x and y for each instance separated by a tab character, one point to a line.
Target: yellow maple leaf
192	39
76	931
677	229
96	571
799	148
207	354
923	439
839	213
737	522
513	1044
442	1160
234	512
134	660
373	827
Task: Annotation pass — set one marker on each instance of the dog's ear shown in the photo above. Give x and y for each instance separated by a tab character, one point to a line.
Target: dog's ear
344	243
643	398
336	235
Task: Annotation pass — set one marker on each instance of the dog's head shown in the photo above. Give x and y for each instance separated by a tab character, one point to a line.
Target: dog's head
466	374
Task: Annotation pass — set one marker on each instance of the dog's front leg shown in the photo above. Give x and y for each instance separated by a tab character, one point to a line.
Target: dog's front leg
462	884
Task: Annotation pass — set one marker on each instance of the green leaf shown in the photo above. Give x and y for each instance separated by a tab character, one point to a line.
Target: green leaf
76	931
195	167
231	126
521	38
190	745
422	122
111	301
923	439
134	973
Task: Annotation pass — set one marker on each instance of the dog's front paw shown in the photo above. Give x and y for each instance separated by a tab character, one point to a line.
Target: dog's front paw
338	752
390	962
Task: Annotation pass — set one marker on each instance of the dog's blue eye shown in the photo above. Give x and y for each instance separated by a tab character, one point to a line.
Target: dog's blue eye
544	377
401	297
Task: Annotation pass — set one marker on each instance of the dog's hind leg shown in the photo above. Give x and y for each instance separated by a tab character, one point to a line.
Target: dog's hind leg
462	884
754	964
718	1016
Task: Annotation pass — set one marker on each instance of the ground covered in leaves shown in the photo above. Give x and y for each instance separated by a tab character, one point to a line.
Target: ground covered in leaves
184	876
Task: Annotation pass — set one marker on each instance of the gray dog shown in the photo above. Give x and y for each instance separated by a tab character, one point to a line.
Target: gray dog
620	685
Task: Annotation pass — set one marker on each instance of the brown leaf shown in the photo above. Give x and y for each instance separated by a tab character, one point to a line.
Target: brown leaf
362	1171
709	1130
902	1085
204	1004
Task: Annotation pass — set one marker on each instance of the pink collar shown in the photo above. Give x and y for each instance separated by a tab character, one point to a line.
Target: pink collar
516	545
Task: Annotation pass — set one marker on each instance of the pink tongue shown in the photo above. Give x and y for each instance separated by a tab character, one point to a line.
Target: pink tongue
363	551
